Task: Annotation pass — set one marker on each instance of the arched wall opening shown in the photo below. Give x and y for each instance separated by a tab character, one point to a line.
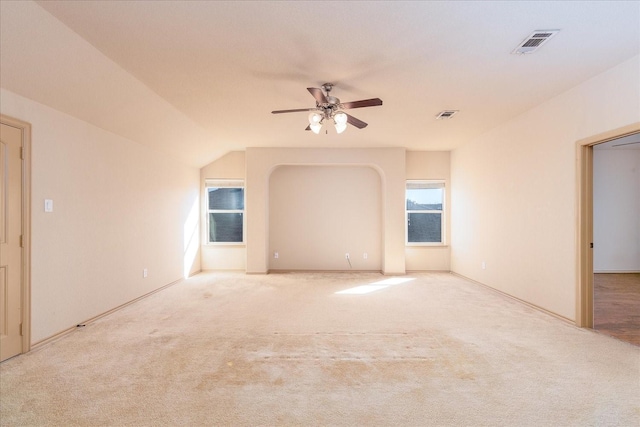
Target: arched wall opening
389	163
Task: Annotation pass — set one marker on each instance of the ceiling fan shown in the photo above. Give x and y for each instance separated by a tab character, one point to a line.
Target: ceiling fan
330	108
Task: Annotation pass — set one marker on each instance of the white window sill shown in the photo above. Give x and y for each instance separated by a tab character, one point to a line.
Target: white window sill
426	245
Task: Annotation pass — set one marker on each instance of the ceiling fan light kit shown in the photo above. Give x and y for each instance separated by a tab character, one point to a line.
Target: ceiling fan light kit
315	122
340	119
330	108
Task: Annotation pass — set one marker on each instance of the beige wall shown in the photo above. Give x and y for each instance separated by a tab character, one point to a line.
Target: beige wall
318	214
514	191
221	256
118	208
431	165
388	162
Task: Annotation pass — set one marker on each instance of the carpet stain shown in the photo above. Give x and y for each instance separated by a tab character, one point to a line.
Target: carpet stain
236	373
163	340
357	359
348	372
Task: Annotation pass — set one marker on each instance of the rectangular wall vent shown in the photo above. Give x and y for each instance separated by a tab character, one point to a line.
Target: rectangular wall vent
446	114
534	41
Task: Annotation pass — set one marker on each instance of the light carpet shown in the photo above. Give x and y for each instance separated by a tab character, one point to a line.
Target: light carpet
334	349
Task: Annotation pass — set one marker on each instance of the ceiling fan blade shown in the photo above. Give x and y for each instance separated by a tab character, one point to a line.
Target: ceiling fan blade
293	111
318	95
356	122
373	102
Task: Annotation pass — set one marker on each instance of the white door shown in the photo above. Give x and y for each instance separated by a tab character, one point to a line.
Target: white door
10	241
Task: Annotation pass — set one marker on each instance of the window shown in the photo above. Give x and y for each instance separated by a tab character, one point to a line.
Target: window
225	204
425	212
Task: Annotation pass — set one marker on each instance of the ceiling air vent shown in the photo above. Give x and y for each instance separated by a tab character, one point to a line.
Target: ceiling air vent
534	41
446	114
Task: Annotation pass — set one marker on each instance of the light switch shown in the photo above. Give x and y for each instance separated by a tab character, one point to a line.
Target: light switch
48	205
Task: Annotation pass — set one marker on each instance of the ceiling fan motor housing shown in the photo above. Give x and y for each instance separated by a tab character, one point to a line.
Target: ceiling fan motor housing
332	103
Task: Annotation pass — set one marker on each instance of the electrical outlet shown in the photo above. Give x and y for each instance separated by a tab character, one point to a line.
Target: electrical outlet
346	255
275	255
484	265
365	255
145	273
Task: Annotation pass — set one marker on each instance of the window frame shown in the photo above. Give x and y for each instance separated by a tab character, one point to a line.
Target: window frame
441	183
225	183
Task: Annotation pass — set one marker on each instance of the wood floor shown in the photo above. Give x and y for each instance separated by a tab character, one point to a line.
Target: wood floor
616	308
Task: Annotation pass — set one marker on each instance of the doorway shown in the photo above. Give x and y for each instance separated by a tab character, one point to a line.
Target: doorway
15	149
585	157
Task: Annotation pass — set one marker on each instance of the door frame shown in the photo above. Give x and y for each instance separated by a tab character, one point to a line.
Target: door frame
25	285
584	288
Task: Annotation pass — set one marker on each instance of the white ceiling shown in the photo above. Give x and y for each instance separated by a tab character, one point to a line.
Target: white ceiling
197	79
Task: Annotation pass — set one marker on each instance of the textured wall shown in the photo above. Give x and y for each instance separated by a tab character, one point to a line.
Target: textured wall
119	207
514	191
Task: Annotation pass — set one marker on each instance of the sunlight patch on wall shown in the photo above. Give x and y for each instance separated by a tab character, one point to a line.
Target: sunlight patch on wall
191	238
376	286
